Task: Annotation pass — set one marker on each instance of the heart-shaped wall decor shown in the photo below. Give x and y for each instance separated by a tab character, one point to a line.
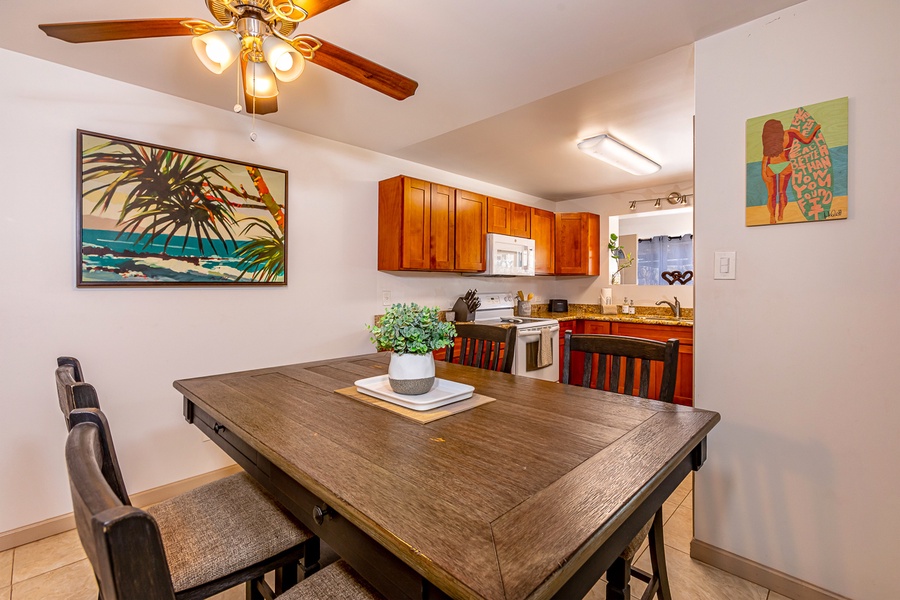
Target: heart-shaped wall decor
672	276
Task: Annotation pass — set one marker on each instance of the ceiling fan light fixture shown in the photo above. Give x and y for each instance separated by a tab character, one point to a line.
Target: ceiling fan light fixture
610	150
259	80
217	49
285	61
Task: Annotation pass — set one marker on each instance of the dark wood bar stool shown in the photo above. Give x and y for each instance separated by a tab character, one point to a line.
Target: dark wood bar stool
483	346
650	365
216	536
130	555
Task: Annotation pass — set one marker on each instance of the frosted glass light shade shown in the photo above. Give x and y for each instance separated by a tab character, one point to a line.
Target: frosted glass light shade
217	49
283	59
259	80
610	150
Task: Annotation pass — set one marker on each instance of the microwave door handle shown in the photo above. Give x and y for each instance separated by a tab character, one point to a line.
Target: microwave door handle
525	259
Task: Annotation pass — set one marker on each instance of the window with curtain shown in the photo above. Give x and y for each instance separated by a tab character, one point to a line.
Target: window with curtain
664	253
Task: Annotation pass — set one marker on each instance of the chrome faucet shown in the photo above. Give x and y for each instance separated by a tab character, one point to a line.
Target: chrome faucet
676	308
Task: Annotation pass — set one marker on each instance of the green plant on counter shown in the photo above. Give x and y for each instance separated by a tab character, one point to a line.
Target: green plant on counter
413	329
623	261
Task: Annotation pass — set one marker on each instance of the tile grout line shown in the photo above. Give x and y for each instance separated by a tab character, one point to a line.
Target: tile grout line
12	580
44	574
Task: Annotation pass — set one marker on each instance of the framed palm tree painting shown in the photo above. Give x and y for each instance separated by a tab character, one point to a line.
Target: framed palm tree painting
151	215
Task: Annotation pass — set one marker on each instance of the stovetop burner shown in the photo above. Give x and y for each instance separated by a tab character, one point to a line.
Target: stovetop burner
511	320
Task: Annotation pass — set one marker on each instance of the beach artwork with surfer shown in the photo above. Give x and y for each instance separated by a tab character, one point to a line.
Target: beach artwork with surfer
797	165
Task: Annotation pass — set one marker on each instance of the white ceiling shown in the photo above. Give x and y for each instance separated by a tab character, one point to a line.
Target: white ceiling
506	87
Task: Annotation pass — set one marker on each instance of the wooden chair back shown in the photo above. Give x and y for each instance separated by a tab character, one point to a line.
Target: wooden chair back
122	543
71	389
483	346
645	362
109	462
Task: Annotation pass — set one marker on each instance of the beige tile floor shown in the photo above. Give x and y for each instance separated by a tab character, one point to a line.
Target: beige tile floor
55	568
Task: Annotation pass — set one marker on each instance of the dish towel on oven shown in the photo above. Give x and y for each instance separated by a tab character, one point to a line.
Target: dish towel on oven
545	353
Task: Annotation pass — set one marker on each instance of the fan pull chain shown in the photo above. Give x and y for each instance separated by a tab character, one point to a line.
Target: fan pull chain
253	118
237	96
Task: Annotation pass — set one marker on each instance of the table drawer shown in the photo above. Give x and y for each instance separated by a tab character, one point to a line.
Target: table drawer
240	451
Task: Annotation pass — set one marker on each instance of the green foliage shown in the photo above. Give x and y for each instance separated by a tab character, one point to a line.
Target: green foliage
167	193
262	256
623	261
412	328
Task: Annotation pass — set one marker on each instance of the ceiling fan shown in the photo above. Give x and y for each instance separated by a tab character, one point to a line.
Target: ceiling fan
258	32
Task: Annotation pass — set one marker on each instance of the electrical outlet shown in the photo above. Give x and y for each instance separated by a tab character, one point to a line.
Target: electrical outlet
386	297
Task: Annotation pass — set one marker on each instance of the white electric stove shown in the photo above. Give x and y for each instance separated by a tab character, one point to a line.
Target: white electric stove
499	309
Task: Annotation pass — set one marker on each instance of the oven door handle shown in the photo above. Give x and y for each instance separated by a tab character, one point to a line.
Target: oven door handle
536	333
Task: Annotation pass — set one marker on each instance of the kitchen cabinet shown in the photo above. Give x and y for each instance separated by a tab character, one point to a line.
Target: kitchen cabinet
575	326
684	382
470	229
508	218
577	244
416	225
578	326
543	229
443	221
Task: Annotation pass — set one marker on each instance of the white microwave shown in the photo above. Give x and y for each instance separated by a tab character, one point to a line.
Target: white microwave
509	256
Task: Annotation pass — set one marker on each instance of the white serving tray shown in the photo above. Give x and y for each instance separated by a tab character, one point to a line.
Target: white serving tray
443	392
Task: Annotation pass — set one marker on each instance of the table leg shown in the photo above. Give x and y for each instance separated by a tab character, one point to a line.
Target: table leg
618	577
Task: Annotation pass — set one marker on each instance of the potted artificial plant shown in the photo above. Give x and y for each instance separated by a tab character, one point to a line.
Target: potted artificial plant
411	332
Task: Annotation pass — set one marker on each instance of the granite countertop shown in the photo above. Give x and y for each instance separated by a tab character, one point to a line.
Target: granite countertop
648	315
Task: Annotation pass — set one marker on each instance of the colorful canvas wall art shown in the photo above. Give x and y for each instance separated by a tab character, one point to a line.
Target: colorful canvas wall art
797	165
150	215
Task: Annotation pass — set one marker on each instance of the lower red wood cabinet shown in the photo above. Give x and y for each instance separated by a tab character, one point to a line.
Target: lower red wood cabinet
684	382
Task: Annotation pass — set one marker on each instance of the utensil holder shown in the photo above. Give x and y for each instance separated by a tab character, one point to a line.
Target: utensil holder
463	314
523	308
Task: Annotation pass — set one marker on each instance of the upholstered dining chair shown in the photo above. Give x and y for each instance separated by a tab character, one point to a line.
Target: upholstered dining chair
129	552
216	536
483	346
604	356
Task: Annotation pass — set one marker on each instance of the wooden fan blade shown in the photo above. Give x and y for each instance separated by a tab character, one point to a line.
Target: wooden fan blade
364	71
102	31
314	7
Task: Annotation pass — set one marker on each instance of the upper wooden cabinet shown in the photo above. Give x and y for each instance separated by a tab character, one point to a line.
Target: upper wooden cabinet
443	221
543	228
577	244
415	225
508	218
470	229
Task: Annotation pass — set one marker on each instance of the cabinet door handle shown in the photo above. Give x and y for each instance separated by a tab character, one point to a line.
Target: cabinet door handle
218	428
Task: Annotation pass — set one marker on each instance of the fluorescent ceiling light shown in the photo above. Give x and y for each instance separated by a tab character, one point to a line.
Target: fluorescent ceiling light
610	150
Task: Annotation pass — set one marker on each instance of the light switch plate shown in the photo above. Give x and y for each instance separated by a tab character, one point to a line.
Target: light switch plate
724	265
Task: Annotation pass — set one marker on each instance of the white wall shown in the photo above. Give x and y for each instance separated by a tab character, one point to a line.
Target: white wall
134	342
798	353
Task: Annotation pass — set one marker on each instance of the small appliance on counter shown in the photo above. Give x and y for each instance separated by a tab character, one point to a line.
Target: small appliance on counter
557	305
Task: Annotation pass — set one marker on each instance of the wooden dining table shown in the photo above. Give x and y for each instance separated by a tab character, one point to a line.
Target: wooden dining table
529	496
